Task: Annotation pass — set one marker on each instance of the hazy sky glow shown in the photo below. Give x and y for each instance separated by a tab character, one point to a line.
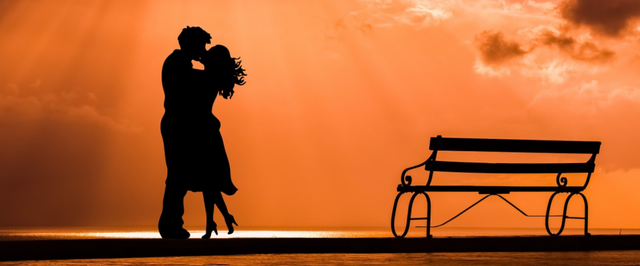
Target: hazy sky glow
341	96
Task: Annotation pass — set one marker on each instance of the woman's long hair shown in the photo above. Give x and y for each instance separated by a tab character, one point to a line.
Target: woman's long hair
227	70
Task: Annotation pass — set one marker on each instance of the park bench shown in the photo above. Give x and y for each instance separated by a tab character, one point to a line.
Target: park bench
432	164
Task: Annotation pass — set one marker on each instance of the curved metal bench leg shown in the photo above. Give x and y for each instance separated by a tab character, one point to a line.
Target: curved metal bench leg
564	214
546	217
428	218
408	225
413	197
586	214
393	218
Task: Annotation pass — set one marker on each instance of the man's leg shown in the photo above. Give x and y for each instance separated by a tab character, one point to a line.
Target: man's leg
170	224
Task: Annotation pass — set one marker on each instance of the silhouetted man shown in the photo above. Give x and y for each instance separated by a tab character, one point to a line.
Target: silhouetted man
179	80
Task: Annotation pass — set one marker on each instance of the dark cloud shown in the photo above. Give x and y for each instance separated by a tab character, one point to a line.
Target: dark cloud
589	51
582	51
495	49
548	37
607	17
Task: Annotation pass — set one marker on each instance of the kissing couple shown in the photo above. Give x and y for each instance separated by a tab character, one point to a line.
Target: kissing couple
194	150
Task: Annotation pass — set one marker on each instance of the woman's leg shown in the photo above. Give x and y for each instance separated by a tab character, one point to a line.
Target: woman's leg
222	206
209	202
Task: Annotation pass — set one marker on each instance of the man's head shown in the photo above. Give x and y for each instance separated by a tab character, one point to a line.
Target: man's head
193	40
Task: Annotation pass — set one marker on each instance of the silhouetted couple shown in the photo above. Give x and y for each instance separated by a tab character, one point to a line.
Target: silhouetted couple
194	150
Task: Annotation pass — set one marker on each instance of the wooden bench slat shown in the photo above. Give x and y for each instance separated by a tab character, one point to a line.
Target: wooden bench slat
514	145
509	168
488	189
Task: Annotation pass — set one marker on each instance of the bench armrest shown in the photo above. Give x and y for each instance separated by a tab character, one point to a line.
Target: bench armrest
405	180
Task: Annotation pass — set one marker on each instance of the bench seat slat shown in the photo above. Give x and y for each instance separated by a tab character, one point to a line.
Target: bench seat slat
509	168
488	189
514	145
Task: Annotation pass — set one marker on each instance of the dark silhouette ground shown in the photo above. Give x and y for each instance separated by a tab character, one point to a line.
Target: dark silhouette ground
127	248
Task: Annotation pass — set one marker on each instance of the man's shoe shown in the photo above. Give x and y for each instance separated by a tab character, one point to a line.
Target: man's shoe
175	234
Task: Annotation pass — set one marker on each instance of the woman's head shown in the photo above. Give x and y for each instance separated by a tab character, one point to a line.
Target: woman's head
228	70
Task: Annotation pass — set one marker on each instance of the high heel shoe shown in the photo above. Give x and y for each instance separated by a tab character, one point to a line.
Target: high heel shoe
211	226
230	221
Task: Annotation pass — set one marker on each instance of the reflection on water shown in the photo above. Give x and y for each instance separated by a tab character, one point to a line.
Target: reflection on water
39	234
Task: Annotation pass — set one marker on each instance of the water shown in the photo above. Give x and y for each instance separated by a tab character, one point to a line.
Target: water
587	258
613	258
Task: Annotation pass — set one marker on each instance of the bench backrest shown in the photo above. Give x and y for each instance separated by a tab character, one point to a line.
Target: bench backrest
514	145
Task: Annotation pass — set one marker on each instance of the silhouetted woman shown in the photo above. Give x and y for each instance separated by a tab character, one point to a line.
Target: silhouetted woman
223	72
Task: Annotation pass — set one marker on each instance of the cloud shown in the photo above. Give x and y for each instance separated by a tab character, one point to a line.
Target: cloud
495	49
549	72
591	98
53	143
489	70
418	13
556	49
591	108
32	104
583	51
544	7
552	72
607	17
542	52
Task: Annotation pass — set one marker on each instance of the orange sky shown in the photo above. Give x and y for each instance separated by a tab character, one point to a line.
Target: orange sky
340	97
